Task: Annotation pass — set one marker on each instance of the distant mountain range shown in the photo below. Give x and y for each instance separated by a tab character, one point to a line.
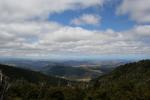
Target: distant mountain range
72	70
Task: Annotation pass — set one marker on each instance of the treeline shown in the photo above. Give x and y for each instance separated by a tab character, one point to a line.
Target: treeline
42	91
127	82
22	84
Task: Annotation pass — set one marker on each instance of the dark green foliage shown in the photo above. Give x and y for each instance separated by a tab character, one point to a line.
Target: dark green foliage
29	91
31	76
127	82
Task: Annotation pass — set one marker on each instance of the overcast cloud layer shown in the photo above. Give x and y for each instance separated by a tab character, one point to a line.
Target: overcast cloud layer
25	30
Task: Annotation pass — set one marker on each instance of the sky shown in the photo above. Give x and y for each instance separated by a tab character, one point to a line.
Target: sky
75	28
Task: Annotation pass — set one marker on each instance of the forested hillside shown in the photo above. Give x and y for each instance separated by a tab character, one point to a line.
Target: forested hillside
14	73
127	82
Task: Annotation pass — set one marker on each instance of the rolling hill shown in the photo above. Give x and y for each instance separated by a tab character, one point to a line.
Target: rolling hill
72	73
127	82
15	73
82	70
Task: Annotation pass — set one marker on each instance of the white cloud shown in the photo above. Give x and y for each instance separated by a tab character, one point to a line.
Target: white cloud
143	30
89	19
138	10
42	39
18	10
20	35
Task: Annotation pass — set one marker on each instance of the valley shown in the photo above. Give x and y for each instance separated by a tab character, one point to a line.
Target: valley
128	81
73	70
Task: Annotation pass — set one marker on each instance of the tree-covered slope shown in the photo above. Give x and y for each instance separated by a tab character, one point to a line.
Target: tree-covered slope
127	82
14	73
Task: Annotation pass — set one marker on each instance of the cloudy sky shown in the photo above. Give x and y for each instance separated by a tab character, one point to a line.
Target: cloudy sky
74	28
